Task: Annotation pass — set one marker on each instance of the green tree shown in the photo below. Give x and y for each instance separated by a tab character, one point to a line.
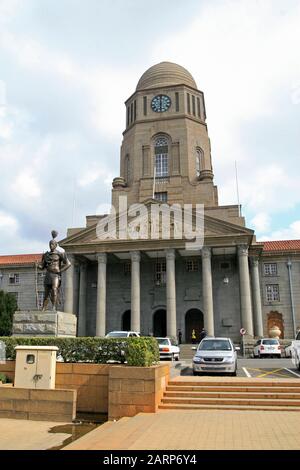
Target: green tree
8	306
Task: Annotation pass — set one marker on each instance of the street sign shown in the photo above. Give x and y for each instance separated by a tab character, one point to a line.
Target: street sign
242	331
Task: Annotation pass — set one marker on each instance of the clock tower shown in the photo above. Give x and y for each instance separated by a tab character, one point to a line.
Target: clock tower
165	153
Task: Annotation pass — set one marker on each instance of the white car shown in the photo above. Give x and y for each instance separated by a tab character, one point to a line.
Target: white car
123	334
288	350
215	355
267	347
295	348
168	349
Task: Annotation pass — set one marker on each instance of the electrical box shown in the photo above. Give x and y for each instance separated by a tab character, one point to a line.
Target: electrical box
35	367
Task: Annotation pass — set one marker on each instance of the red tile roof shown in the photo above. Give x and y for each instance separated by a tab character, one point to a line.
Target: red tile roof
281	245
20	259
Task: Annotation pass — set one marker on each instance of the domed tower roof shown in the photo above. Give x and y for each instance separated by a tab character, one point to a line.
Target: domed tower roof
165	74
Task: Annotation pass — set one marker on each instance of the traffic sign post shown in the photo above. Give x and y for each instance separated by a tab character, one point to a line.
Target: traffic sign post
243	332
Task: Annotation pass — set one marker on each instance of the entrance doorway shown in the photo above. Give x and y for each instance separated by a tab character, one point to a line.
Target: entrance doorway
193	321
160	323
126	320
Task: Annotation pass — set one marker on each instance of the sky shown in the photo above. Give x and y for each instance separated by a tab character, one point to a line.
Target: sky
67	66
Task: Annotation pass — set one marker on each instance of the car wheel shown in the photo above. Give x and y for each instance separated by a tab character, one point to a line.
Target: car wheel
259	356
177	358
297	362
195	373
234	373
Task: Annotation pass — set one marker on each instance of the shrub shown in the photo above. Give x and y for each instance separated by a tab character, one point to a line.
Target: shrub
8	306
3	378
137	351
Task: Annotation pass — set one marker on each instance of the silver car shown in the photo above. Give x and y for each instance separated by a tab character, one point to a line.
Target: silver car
215	355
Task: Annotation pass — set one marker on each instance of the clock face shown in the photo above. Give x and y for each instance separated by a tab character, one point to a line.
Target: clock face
160	103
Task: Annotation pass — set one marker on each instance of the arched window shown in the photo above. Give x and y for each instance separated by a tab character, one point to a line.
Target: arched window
127	169
199	161
161	150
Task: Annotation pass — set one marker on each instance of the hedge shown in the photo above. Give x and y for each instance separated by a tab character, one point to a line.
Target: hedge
142	351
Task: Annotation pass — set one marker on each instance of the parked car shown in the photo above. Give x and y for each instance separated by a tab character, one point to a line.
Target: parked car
288	350
168	349
267	347
295	349
123	334
215	355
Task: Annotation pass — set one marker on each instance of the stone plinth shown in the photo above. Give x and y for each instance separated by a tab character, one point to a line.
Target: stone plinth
48	323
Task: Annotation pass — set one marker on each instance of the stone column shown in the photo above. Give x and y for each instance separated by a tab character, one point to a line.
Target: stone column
207	292
135	291
101	295
82	300
257	311
245	290
69	285
171	294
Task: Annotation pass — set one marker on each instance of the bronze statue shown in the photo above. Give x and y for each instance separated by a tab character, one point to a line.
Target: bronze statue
55	262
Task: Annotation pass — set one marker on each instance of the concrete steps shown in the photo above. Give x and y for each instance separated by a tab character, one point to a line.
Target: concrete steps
232	393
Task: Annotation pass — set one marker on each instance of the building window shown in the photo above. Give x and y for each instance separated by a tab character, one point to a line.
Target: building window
127	169
128	115
177	101
198	108
225	265
194	105
270	269
188	97
127	268
160	272
134	110
14	278
192	265
161	157
199	162
40	299
131	112
272	292
145	105
163	197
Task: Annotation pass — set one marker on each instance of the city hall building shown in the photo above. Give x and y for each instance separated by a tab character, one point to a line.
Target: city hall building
160	285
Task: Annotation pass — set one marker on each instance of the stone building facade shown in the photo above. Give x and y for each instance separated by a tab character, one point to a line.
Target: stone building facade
160	285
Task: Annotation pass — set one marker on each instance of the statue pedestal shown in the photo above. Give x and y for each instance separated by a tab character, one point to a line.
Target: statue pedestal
44	324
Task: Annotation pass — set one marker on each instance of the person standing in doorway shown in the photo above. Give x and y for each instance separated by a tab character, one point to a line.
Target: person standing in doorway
179	336
203	334
194	336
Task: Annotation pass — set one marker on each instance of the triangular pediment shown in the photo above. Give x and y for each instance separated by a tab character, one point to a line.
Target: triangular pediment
213	228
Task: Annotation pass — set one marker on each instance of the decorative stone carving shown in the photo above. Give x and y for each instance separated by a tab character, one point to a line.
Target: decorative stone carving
206	252
118	183
274	332
243	250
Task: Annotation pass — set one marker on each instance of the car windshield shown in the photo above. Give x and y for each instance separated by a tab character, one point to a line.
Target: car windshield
163	341
215	345
117	334
270	341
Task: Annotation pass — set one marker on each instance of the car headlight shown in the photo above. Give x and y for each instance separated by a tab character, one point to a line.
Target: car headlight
198	359
228	360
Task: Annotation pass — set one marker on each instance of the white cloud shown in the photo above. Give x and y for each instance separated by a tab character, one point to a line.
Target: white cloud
261	222
8	223
290	233
26	186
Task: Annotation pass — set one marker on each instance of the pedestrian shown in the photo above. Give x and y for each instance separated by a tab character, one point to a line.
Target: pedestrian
193	336
179	336
203	334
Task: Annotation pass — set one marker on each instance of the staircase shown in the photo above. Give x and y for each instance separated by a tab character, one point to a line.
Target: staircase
234	394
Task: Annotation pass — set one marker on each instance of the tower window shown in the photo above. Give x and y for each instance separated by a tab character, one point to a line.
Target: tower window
194	105
199	162
128	115
198	108
131	112
163	197
177	101
127	169
134	110
161	157
145	105
188	97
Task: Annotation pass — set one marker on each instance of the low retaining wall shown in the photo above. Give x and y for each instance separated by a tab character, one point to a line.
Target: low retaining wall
37	405
107	388
134	390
